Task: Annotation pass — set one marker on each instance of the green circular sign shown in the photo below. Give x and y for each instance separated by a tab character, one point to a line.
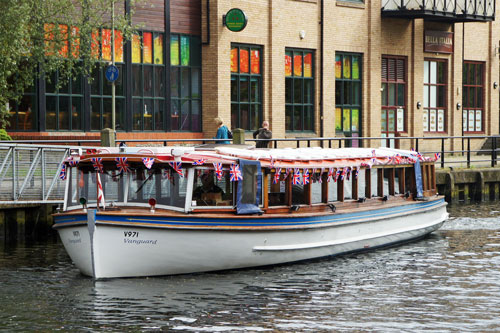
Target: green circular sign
235	20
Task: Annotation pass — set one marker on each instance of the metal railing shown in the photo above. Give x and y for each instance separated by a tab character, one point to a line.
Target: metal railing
29	173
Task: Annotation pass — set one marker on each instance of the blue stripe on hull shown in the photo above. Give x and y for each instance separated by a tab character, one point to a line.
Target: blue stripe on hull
251	221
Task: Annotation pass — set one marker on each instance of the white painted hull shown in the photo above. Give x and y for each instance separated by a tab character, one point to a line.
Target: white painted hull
118	252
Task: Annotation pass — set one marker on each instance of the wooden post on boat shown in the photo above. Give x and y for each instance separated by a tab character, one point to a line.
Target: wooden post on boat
239	136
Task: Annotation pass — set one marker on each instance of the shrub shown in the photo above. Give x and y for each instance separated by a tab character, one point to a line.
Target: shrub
4	136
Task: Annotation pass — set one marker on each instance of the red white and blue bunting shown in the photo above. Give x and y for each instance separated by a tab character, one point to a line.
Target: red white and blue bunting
122	164
235	173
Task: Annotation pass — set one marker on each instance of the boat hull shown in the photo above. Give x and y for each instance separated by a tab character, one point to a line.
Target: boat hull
147	246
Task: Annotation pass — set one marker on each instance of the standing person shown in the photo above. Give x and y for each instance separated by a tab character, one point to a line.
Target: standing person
263	133
222	131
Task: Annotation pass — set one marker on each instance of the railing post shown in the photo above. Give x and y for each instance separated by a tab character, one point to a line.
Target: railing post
416	144
468	152
442	153
494	152
298	143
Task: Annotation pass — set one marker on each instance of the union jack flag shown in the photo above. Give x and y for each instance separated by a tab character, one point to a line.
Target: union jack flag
218	170
177	166
305	177
73	163
235	173
288	170
148	161
271	164
296	177
344	173
201	161
330	175
97	163
357	173
397	159
374	156
437	156
100	192
337	174
122	164
62	174
314	176
277	175
320	178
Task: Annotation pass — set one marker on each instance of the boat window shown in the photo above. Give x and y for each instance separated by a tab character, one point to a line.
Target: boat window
209	191
397	175
348	187
374	183
167	187
83	184
276	191
316	188
249	189
298	195
361	183
332	191
387	179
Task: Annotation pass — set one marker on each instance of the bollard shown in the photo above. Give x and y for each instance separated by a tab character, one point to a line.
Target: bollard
108	137
239	136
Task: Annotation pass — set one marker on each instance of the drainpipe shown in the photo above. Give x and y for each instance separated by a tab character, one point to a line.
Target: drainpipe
321	97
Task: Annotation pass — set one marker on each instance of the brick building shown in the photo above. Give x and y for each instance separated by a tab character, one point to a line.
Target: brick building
313	68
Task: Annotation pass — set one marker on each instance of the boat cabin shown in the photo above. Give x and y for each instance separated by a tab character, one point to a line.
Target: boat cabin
245	181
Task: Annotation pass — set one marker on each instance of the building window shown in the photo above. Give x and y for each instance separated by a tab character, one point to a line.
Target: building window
185	83
435	84
148	82
393	95
299	90
246	86
23	113
348	74
100	88
64	104
473	96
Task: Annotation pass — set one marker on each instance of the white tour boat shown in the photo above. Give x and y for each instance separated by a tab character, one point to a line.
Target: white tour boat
158	211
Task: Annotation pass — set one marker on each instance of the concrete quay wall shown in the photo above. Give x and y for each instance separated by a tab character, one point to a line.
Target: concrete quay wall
469	185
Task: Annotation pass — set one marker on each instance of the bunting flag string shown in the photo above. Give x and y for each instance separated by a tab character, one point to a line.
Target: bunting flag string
374	157
296	177
63	174
330	175
73	162
337	175
314	177
357	172
277	175
305	177
343	174
218	170
320	179
348	173
437	156
177	166
287	173
97	164
201	161
122	164
148	161
235	173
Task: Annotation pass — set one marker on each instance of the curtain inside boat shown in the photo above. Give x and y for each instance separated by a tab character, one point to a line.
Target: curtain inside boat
249	188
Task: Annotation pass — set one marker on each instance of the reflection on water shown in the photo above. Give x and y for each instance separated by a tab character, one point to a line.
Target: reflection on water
449	281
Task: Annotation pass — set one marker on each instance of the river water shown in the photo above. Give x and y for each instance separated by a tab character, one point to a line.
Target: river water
448	282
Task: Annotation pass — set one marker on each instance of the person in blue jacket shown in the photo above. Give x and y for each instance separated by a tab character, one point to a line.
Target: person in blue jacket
222	131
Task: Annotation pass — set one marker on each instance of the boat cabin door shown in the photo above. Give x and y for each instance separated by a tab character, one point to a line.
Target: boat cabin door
249	188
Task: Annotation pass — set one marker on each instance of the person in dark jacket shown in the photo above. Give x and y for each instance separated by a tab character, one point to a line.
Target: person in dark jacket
263	133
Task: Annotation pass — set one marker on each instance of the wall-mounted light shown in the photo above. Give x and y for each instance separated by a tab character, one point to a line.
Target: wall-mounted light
459	106
495	85
302	34
419	105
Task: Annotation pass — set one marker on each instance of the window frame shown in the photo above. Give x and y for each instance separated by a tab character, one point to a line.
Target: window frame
341	104
292	104
190	99
237	76
465	93
445	97
386	107
155	97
